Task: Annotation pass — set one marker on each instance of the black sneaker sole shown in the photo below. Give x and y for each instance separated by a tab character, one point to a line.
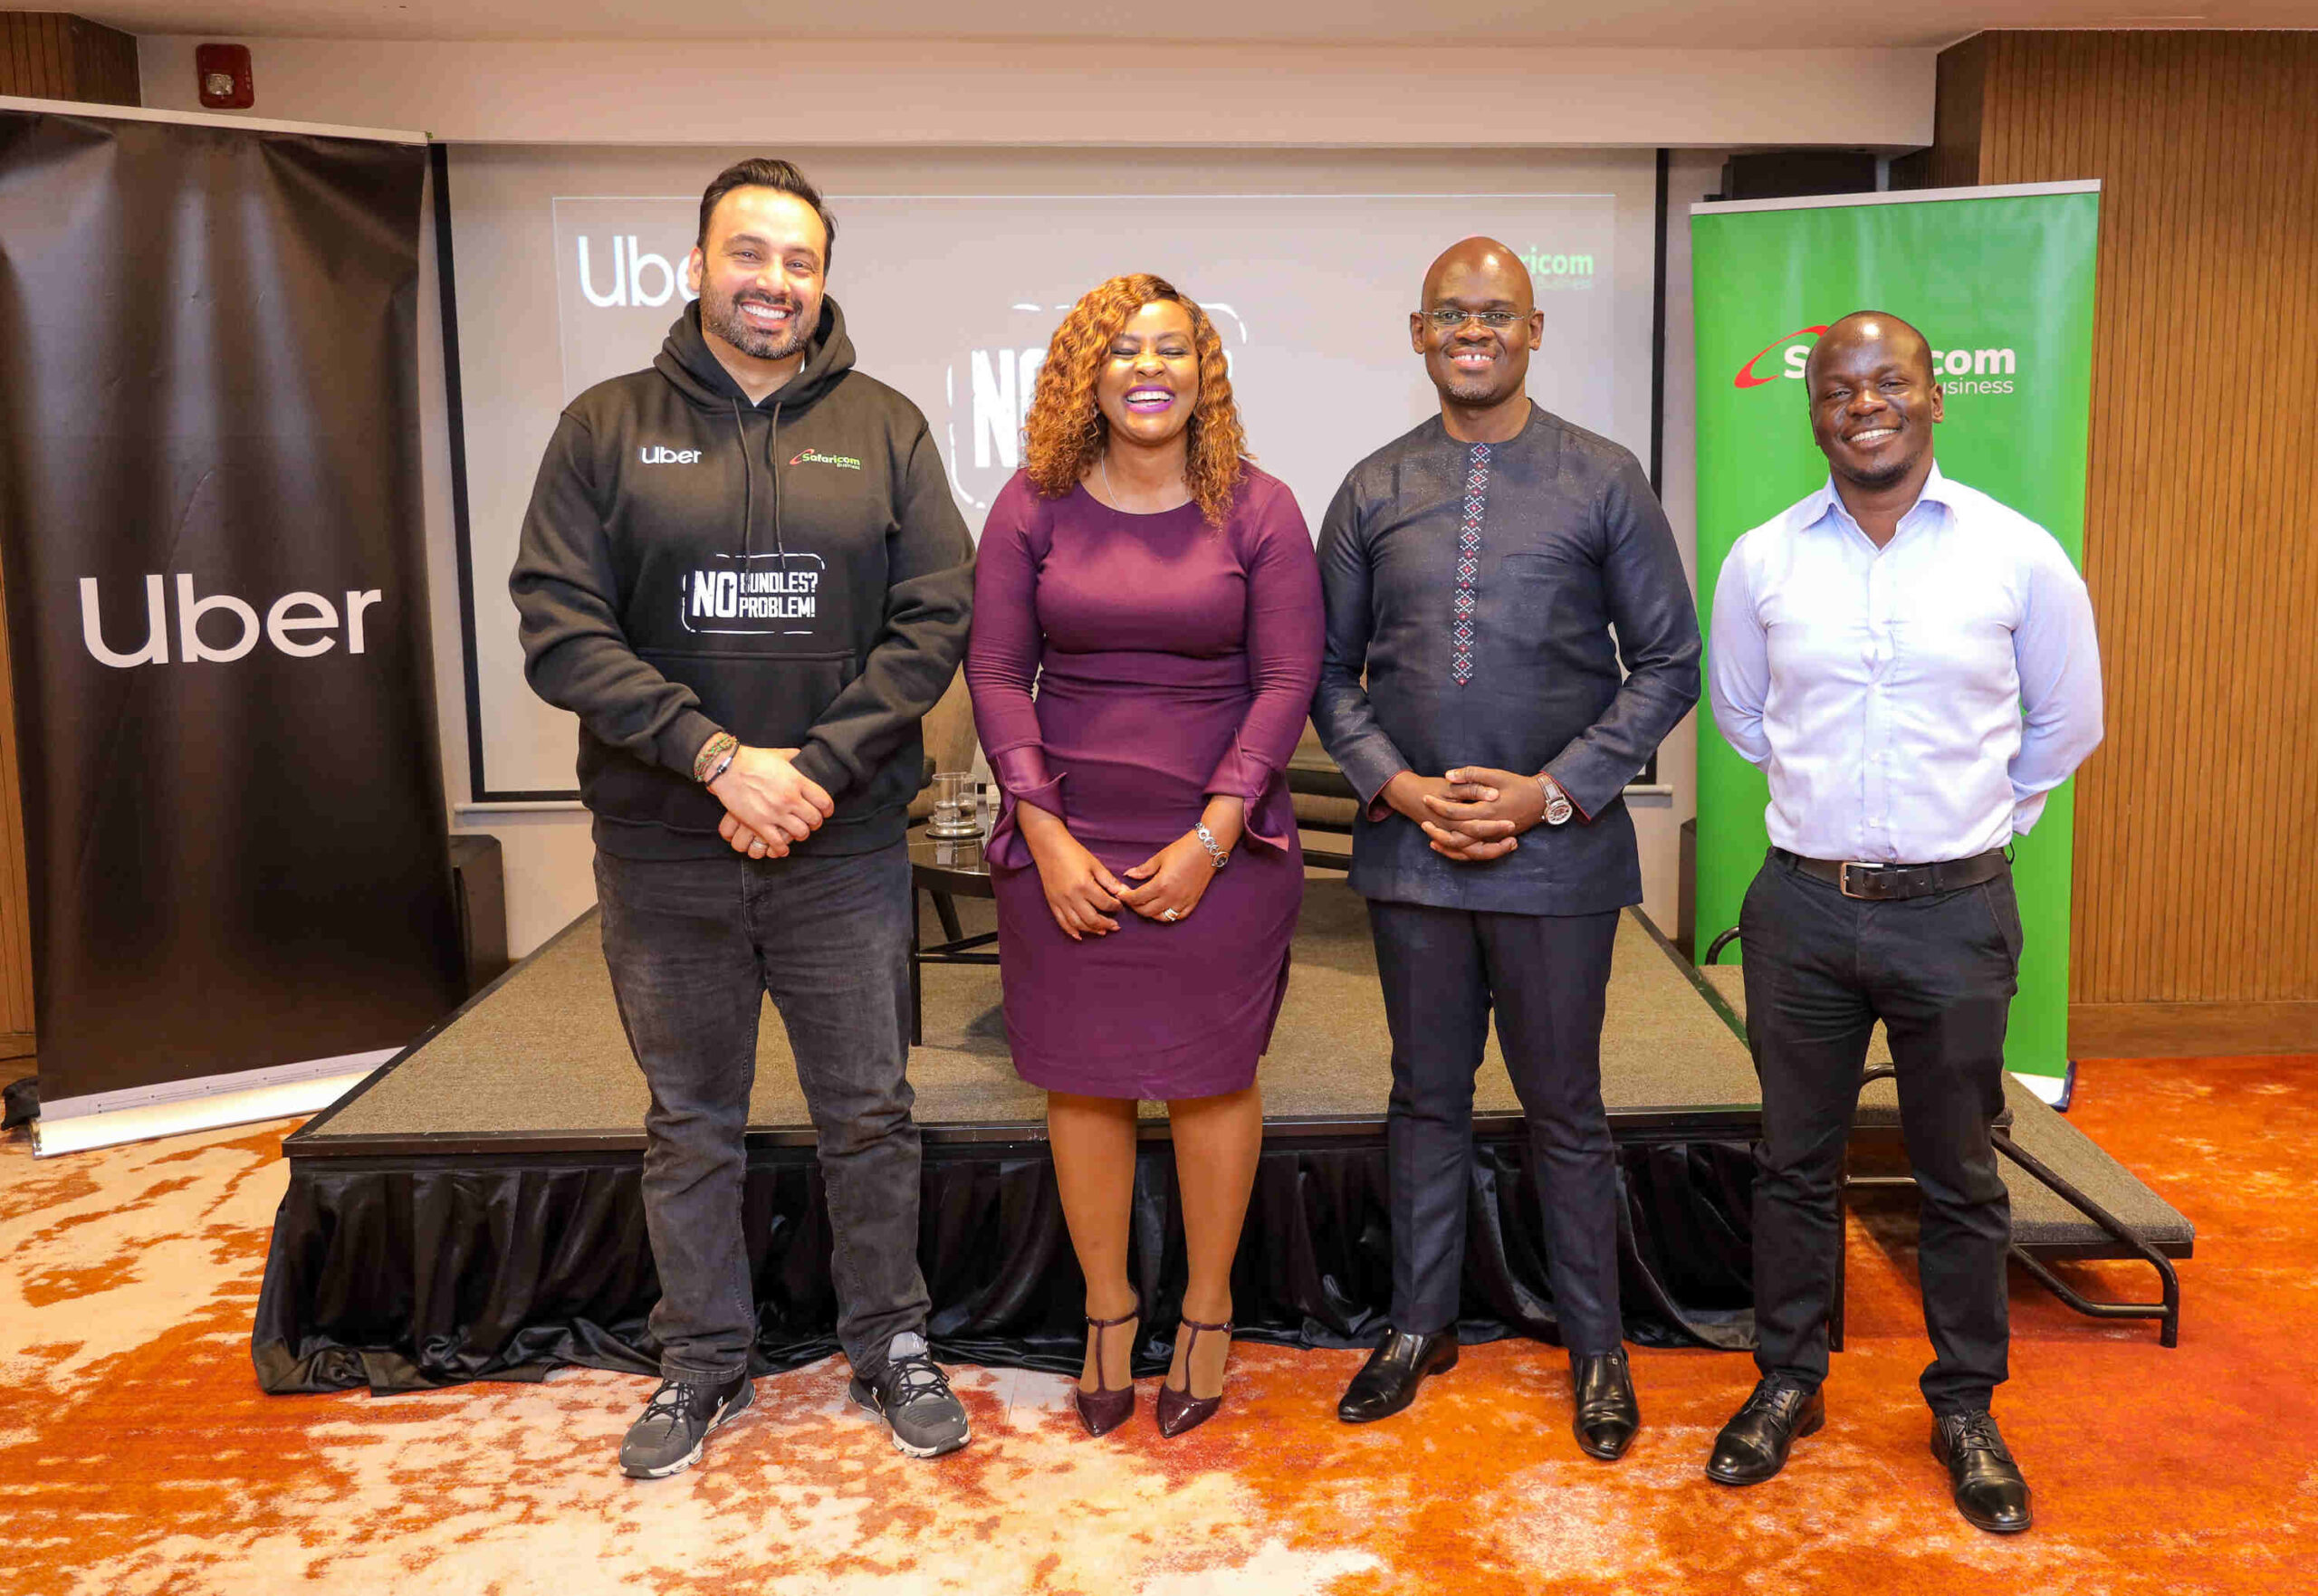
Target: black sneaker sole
865	1398
740	1404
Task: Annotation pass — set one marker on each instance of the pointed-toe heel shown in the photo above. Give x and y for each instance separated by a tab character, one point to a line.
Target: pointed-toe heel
1179	1410
1103	1410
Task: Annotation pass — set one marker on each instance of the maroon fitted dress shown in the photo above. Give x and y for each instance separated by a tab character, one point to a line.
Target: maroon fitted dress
1171	661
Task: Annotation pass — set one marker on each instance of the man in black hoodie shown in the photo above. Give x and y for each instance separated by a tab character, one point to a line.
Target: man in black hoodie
744	571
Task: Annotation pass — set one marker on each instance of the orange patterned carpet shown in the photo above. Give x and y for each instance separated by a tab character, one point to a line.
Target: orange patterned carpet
137	1454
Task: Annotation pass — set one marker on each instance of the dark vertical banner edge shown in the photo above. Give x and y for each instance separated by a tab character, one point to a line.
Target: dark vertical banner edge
1658	332
438	160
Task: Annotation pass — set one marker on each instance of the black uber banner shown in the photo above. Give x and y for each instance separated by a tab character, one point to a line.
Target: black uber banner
210	522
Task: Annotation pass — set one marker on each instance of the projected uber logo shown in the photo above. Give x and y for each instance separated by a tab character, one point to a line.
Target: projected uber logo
754	593
631	270
300	624
989	393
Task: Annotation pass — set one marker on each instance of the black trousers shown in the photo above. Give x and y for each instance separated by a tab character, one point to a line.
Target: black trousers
1547	975
695	947
1939	972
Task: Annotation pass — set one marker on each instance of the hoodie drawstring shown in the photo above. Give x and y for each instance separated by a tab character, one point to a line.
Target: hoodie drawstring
748	483
773	455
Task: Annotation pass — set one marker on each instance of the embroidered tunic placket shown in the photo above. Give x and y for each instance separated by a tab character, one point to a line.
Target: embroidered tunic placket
1469	562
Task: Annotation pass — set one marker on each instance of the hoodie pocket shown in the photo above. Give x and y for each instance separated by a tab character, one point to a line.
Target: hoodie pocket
767	701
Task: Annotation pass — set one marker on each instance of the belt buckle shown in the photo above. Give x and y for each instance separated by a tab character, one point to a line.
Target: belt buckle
1842	879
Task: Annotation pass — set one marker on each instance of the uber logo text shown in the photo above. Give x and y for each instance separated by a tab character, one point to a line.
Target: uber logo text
286	620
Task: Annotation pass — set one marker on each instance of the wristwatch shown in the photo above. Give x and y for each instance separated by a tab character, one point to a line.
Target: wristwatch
1558	808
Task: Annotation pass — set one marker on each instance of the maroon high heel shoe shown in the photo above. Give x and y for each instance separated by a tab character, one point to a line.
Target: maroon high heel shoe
1179	1410
1102	1409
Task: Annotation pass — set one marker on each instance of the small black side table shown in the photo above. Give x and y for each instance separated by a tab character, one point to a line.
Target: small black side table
947	871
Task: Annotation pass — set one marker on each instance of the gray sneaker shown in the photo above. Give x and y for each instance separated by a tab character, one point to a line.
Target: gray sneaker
667	1436
912	1396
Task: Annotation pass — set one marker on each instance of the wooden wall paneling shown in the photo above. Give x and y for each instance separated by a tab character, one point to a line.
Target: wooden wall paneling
53	55
104	63
2196	880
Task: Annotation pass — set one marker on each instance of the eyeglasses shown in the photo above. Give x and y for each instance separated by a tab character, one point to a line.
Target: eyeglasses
1446	316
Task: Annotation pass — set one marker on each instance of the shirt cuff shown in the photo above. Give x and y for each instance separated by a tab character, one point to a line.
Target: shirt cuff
1583	814
816	764
680	744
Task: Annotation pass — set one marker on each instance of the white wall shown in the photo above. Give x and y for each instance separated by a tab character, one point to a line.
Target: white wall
948	92
1691	174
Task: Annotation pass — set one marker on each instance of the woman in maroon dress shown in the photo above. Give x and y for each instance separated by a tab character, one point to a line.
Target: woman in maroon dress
1161	596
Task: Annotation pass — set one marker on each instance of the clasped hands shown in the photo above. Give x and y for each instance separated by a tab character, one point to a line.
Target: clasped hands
769	803
1083	895
1472	813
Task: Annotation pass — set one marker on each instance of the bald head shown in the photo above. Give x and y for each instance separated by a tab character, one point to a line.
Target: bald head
1863	328
1874	400
1486	264
1476	323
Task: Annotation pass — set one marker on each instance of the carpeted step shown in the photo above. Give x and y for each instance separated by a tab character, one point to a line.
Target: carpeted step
2042	1219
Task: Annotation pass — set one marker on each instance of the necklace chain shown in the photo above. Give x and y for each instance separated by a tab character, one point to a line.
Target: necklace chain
1103	464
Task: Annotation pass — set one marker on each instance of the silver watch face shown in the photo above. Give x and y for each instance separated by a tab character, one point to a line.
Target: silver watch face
1557	810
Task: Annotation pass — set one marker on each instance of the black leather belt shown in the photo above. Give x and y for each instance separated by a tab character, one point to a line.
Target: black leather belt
1885	884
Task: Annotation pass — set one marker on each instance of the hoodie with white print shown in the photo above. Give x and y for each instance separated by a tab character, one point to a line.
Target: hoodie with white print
794	572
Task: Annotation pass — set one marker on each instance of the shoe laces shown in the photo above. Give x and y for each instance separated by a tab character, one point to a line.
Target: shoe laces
1977	1431
913	1380
672	1400
1767	1396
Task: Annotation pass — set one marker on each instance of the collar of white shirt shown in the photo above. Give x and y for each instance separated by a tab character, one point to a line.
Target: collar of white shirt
1826	502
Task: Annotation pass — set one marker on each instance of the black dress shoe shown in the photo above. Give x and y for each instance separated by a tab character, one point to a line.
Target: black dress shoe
1387	1383
1991	1491
1753	1446
1606	1413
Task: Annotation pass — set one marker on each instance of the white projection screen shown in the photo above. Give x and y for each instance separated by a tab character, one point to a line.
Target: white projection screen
953	267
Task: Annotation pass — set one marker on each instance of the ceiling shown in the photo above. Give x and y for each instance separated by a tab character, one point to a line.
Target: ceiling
1418	24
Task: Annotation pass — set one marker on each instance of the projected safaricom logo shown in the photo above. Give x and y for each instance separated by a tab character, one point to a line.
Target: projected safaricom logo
1557	268
1959	370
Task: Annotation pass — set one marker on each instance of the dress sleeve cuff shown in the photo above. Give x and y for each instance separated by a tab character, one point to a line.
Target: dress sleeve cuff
1270	811
1023	779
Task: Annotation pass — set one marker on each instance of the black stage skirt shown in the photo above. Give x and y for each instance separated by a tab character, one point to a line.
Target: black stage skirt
407	1274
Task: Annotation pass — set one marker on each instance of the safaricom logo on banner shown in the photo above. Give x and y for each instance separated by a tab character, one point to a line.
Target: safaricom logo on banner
1959	370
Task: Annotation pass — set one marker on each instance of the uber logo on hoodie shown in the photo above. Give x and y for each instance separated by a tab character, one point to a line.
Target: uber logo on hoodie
661	455
755	593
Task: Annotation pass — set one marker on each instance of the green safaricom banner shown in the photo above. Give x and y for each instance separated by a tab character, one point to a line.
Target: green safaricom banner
2000	280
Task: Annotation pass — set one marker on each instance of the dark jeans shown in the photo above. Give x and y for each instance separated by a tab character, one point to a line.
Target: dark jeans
1547	975
1939	972
694	946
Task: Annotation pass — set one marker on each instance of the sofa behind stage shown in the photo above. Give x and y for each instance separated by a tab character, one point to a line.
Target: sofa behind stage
473	1210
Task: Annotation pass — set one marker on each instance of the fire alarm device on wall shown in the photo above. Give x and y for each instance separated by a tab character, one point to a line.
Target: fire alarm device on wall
223	72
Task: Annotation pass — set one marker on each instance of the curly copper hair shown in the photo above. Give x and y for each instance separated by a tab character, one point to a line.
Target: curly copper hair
1065	433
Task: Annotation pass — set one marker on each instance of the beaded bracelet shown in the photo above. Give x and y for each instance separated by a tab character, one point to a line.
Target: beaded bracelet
716	756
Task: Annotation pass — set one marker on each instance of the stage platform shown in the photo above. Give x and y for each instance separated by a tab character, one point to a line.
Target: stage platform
471	1212
538	1062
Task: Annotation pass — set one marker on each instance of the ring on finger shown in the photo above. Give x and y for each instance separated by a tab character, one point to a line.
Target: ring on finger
1171	914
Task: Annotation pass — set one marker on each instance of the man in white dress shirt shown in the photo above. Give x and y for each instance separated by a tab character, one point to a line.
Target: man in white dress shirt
1914	667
